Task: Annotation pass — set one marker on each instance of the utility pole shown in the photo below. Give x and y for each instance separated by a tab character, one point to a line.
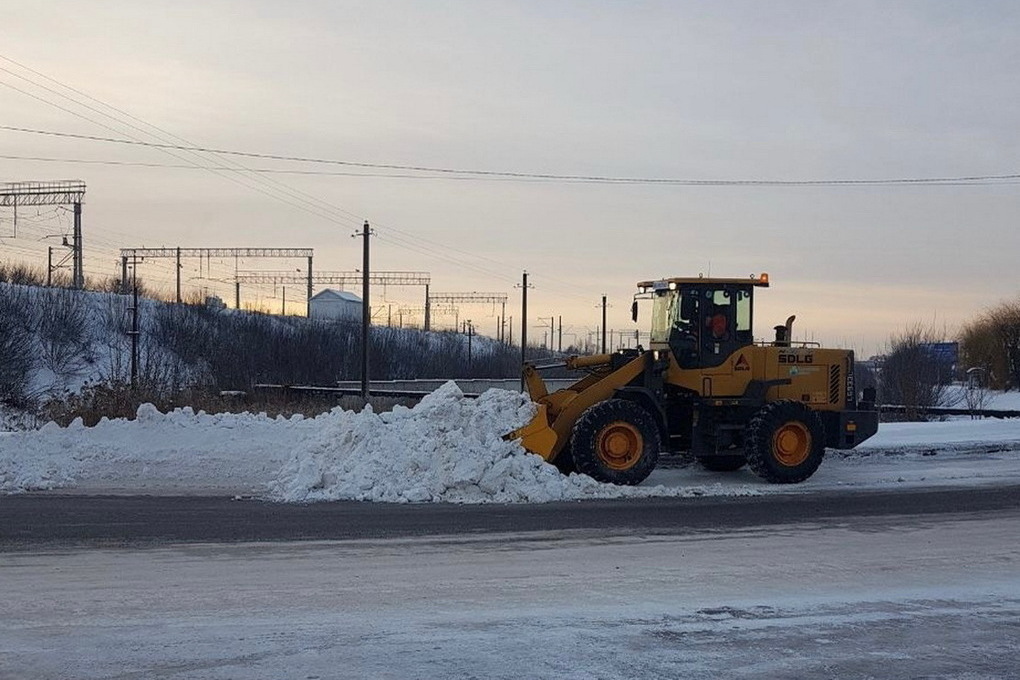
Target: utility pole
428	309
561	334
308	304
79	268
366	308
123	275
134	324
502	323
178	275
470	332
603	324
511	332
49	266
524	323
552	330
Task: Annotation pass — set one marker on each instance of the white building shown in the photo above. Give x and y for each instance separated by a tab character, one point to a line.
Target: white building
335	304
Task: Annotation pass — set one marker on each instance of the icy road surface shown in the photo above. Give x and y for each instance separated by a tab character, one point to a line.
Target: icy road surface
873	598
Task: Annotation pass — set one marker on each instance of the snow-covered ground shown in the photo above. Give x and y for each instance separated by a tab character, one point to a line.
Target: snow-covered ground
447	448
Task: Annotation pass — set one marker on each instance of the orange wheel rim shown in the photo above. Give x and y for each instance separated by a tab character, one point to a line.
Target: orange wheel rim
619	445
792	444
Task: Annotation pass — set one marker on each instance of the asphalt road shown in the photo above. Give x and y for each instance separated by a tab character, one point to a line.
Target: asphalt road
62	520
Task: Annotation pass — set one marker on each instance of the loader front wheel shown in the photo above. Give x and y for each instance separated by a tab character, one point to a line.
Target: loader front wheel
785	442
616	441
564	461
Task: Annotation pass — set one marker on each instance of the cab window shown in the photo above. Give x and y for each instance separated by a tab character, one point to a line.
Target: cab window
743	320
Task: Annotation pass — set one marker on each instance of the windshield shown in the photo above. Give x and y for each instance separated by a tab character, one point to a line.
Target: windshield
663	314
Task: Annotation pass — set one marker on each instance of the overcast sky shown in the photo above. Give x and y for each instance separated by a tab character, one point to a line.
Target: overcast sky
707	90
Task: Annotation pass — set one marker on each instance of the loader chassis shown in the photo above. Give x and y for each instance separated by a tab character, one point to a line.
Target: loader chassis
703	386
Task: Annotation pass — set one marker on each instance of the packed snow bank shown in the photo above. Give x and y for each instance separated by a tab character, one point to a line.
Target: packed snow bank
177	452
944	435
448	448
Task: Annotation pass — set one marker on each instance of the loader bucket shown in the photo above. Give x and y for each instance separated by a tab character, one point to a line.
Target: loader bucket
537	436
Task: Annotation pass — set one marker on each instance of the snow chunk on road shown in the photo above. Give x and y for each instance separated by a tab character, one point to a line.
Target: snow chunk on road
446	448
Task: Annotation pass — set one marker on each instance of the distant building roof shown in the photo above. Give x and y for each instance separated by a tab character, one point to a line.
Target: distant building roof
330	294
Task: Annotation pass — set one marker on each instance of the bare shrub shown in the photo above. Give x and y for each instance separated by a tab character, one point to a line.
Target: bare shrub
17	345
22	274
912	375
114	343
976	397
62	327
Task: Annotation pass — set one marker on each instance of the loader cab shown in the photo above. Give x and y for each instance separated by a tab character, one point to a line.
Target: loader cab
702	321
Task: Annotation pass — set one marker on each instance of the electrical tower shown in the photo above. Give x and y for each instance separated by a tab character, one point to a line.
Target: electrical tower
470	298
62	192
209	253
336	278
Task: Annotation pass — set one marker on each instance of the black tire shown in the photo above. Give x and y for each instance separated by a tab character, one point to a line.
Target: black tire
616	441
722	463
785	442
564	461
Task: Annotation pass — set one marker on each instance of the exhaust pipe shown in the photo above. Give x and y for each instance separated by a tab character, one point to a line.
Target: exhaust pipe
784	333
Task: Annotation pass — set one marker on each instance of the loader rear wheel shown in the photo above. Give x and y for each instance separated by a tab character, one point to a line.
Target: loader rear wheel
616	441
785	442
722	463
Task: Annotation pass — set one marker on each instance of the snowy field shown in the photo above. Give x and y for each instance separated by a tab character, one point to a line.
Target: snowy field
445	449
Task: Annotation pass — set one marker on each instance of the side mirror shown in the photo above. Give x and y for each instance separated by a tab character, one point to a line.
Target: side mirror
633	311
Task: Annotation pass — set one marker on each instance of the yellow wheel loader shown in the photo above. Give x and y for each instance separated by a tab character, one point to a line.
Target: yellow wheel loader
704	386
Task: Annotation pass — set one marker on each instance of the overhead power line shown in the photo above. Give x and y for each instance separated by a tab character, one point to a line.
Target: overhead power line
601	179
262	183
985	181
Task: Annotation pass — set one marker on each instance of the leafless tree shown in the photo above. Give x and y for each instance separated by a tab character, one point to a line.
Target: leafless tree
912	375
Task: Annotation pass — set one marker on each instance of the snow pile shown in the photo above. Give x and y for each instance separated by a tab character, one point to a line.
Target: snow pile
177	452
446	448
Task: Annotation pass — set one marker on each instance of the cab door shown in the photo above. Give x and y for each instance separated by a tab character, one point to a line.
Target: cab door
724	323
